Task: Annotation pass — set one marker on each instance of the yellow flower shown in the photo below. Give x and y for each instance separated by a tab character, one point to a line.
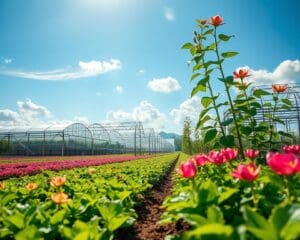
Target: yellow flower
60	198
31	186
2	185
57	181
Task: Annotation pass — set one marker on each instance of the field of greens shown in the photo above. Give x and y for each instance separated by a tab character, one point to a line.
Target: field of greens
81	203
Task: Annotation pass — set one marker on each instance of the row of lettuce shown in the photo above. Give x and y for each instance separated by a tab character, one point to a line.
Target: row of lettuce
16	169
81	203
223	198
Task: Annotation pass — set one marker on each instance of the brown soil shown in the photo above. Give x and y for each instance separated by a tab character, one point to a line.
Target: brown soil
149	212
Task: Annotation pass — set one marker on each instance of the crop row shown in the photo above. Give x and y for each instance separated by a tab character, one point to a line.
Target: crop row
29	168
222	198
82	203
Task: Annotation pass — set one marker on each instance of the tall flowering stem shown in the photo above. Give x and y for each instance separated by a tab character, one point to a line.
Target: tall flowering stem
211	92
228	95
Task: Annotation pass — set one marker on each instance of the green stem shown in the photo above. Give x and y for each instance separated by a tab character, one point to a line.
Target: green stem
254	197
229	98
287	188
271	124
248	108
211	93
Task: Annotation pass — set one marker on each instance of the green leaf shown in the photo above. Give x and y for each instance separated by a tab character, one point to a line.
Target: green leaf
259	93
212	229
202	121
246	130
228	79
227	122
208	32
210	135
16	219
227	141
285	134
228	54
286	101
28	233
224	37
258	226
227	194
206	101
215	215
58	217
117	222
279	217
194	76
187	46
201	86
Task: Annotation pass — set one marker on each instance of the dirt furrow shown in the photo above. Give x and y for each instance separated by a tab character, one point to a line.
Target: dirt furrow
149	212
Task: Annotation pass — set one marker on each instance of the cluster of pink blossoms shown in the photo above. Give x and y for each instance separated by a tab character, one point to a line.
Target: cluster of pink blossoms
287	163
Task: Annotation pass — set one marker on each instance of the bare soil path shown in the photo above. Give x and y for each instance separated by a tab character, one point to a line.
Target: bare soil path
149	212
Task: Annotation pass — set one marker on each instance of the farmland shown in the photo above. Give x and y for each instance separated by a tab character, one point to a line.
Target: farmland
81	203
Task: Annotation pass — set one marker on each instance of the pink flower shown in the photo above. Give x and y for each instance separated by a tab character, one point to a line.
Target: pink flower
230	153
246	172
283	164
251	153
216	157
216	20
291	149
187	169
201	159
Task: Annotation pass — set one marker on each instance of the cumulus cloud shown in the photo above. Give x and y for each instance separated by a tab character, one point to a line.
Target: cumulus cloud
119	89
144	112
86	69
169	14
189	108
28	114
287	72
32	115
164	85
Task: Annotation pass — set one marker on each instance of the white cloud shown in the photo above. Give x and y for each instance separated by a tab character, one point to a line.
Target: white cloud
86	69
141	71
145	112
28	114
7	115
7	60
189	108
287	71
164	85
169	14
119	89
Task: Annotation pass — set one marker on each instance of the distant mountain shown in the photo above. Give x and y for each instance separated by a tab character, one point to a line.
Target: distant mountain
169	135
175	136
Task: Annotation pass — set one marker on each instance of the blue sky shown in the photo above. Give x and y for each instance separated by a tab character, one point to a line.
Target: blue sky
121	46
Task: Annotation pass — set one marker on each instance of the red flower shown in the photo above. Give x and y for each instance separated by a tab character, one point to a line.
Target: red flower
216	157
201	159
246	172
241	73
279	88
230	153
283	164
216	20
251	153
187	169
291	149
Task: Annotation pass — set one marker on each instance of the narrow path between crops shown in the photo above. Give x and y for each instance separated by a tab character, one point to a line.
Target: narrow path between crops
149	212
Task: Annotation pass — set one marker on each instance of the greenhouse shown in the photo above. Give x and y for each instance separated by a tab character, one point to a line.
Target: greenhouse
79	139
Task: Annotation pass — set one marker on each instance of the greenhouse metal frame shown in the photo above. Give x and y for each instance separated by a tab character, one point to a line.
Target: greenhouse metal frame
79	139
291	116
